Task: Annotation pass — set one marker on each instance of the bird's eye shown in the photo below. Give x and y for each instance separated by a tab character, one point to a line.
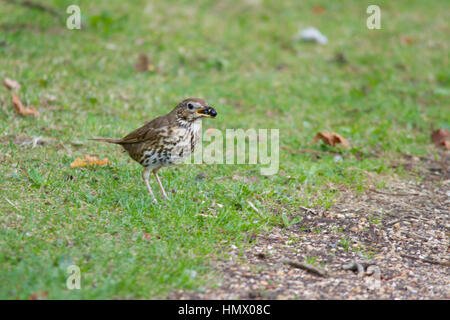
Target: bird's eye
190	106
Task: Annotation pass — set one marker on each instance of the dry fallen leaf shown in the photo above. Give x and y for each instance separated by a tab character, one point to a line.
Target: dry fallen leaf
21	109
144	64
146	236
89	161
340	58
441	138
318	9
11	84
331	138
39	295
406	40
95	160
78	162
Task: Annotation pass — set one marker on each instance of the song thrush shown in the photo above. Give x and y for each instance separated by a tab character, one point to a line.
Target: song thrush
166	140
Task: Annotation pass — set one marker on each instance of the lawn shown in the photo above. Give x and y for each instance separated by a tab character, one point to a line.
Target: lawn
380	89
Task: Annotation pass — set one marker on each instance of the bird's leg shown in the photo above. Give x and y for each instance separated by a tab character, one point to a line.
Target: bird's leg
155	172
145	176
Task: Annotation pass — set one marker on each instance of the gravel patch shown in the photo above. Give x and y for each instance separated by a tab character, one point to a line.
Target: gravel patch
390	243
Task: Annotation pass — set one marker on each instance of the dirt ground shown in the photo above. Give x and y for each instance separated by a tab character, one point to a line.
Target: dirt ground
397	239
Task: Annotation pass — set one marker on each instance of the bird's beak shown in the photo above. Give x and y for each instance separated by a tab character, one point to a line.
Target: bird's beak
208	112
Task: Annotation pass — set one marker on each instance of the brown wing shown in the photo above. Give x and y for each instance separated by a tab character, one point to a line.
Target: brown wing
147	132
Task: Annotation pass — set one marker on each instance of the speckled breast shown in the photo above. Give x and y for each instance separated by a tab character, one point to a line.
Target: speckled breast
172	148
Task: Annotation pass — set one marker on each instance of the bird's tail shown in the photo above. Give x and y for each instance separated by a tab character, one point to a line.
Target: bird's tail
116	141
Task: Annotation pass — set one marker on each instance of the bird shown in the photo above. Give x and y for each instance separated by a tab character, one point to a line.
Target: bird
165	140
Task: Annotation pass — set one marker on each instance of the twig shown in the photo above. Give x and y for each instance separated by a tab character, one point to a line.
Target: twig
391	223
394	194
404	217
37	6
359	266
12	204
305	266
443	263
415	235
308	210
355	266
253	207
316	152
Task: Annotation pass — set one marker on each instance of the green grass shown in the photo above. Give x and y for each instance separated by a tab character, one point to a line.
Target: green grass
240	56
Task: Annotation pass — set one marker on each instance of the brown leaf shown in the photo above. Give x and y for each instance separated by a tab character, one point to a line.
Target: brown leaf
21	109
11	84
89	161
318	9
331	138
441	138
340	58
144	64
78	162
95	160
39	295
407	40
146	236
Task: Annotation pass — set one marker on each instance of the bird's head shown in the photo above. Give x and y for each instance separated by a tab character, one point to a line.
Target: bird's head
193	109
